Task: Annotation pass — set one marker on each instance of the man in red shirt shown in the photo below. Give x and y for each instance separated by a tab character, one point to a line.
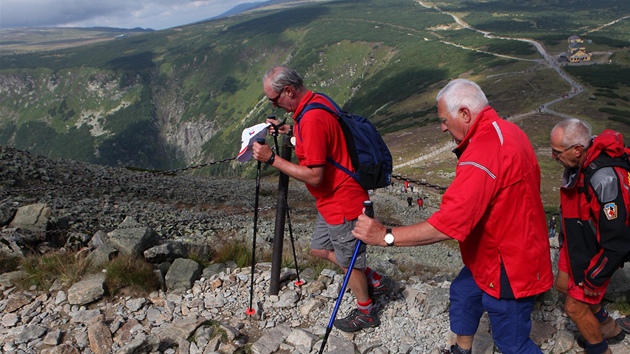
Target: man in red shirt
493	208
338	197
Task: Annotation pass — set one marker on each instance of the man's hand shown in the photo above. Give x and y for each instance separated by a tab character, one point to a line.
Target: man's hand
283	128
590	292
261	152
370	231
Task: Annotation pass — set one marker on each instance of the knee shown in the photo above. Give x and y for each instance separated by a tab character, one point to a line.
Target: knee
574	308
320	253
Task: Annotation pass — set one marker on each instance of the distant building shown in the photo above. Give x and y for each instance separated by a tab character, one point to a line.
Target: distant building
577	51
121	36
575	39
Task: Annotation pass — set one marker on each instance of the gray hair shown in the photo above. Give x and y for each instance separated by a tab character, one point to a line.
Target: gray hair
575	132
462	93
281	76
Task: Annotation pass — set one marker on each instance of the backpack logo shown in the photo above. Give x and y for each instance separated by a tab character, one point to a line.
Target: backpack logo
610	210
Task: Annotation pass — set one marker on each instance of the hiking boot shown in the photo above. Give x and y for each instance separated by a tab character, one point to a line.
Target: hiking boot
624	323
455	350
357	320
385	287
611	330
611	340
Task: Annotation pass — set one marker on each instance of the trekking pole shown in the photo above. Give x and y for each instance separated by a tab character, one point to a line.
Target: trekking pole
369	211
298	282
250	310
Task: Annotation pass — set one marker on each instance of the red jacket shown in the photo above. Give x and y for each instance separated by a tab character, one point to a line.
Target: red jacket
493	208
596	232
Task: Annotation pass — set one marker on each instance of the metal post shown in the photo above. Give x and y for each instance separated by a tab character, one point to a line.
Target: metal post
281	213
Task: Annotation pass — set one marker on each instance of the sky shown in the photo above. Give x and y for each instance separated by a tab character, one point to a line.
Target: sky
155	14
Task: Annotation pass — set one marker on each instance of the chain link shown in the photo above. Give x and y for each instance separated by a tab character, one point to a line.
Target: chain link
435	186
174	172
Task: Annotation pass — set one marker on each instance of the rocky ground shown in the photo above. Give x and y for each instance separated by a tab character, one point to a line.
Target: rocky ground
86	199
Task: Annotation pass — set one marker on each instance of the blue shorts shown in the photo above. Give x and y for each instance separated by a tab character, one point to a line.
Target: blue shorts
338	238
510	319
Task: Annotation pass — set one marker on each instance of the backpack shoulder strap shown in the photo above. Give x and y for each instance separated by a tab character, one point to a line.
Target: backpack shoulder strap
336	112
339	113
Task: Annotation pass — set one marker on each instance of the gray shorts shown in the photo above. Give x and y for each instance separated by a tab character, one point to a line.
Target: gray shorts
338	238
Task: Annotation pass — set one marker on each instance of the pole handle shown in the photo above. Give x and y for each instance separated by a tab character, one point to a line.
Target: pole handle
262	141
369	208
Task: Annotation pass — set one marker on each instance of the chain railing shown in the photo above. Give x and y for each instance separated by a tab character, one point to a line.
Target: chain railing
106	181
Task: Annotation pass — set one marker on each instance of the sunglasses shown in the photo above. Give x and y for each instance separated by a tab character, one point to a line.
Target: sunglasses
274	100
558	153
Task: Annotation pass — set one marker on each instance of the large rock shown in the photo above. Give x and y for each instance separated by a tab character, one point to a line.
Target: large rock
32	217
87	290
166	252
131	238
619	287
102	255
31	221
182	274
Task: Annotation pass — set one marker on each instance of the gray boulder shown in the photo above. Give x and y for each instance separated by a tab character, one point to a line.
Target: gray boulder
131	238
182	274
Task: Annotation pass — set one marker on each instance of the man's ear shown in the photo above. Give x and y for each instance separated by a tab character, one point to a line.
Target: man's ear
465	113
289	91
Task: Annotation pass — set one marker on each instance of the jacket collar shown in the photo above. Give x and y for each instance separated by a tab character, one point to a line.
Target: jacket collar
486	116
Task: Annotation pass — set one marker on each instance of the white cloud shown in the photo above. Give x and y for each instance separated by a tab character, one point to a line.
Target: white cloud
156	14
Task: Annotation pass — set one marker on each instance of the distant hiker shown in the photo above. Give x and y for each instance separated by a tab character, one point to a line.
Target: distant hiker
552	227
338	198
420	203
409	200
594	225
507	261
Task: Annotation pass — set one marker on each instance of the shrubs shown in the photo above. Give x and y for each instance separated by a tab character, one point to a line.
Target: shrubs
130	272
42	271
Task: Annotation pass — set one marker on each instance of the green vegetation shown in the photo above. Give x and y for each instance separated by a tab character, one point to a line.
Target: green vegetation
201	254
542	19
236	251
132	273
602	76
43	271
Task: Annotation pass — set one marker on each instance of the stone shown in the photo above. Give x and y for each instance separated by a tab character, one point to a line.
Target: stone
100	338
90	289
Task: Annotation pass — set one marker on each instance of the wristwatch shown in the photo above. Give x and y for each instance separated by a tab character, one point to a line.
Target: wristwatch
389	237
271	159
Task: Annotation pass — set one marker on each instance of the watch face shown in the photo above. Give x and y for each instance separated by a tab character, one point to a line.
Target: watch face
389	239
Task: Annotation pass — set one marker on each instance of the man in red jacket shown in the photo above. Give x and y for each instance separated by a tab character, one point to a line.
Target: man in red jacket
594	228
493	208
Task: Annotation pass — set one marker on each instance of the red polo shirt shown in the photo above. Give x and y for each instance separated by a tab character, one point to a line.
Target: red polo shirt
319	135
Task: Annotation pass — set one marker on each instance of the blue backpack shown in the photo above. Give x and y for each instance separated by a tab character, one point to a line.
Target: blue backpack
370	156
